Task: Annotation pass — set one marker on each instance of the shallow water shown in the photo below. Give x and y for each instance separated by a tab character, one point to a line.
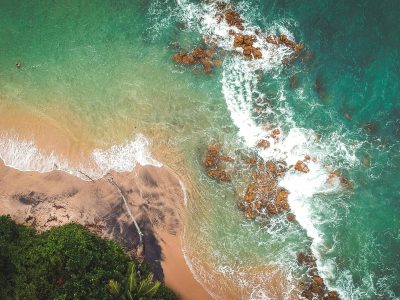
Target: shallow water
107	67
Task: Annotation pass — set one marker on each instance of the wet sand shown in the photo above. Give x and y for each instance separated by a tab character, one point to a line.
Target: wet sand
153	195
63	135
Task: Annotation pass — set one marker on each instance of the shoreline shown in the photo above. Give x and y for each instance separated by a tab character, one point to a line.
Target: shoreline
67	142
155	198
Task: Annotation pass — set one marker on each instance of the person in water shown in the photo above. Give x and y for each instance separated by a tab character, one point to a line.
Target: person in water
18	65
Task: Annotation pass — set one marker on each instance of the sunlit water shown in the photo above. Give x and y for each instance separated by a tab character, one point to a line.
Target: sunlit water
105	68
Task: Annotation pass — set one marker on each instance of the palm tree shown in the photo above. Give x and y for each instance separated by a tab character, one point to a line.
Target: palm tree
135	288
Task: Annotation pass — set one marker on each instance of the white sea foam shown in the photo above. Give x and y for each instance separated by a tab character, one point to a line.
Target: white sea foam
124	157
25	155
239	85
185	197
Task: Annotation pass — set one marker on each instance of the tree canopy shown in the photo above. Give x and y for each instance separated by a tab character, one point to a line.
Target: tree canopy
66	262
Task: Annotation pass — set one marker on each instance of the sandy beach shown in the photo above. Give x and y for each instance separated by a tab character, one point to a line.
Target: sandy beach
153	195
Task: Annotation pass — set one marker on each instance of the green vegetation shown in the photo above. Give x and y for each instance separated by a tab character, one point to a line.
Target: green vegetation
134	288
69	262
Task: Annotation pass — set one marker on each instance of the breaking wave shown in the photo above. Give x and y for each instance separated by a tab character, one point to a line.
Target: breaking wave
25	155
240	79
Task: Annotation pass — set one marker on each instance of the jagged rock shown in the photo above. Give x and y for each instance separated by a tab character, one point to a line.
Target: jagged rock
344	181
212	163
271	209
281	200
264	144
207	65
271	166
219	175
316	289
198	55
212	156
306	259
218	63
221	5
284	40
332	295
246	43
318	280
179	56
256	53
307	294
301	167
291	217
275	133
233	19
250	161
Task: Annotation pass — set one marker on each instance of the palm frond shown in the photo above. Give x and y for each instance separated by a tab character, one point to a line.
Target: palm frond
113	287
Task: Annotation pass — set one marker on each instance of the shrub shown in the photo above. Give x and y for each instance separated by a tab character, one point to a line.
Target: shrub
66	262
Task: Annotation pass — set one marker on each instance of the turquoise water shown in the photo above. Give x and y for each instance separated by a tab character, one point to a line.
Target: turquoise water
109	63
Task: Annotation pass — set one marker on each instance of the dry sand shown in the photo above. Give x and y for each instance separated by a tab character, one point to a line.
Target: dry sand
154	198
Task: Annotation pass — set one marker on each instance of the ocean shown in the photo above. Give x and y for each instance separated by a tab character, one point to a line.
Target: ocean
102	74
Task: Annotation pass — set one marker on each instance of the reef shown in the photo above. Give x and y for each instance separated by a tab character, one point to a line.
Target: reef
285	41
198	55
213	163
264	199
246	43
227	13
314	287
343	180
263	196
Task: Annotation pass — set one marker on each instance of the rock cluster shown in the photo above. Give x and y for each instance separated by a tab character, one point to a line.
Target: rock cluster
344	181
226	12
315	287
263	195
284	40
198	55
265	143
231	16
213	163
246	43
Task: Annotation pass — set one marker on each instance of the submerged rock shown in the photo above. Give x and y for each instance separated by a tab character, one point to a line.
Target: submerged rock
306	259
370	127
285	41
213	163
320	89
198	55
294	82
291	217
343	180
219	174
